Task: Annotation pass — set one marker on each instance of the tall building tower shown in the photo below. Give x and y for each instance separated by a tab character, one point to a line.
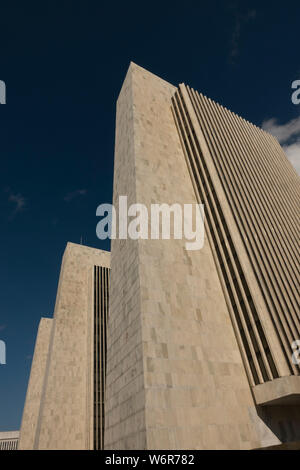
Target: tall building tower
198	348
200	343
64	407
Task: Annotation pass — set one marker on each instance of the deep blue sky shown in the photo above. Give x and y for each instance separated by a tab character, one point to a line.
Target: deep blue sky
63	63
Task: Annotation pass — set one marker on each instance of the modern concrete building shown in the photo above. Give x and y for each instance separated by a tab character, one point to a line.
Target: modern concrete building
199	343
64	407
9	440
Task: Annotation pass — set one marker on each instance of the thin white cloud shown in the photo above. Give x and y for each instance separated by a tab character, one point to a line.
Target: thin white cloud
18	200
283	132
288	135
240	20
293	153
70	196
